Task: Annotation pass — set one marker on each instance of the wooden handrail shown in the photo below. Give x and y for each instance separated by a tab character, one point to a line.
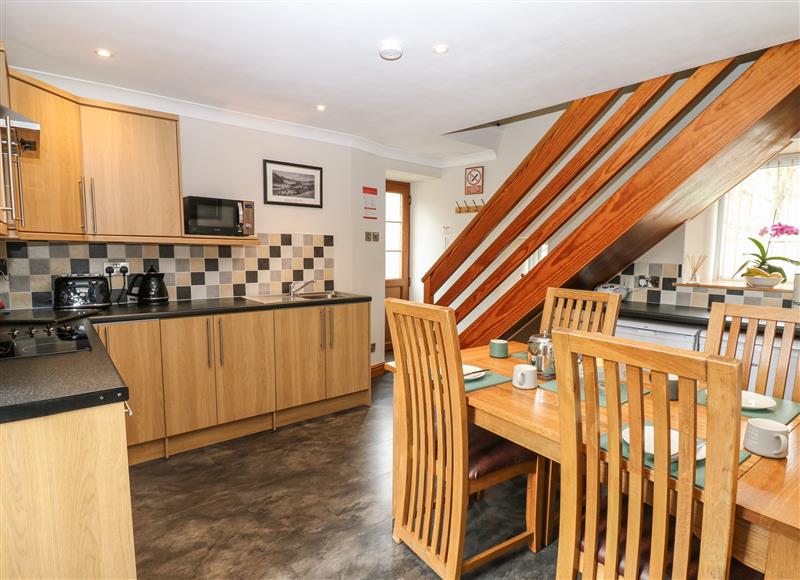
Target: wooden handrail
686	94
579	115
637	102
749	122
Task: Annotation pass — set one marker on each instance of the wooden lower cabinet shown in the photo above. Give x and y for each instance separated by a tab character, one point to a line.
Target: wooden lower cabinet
135	348
245	365
187	360
347	353
300	356
65	502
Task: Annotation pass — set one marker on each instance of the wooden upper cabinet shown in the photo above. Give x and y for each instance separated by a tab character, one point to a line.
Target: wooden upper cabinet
131	165
299	356
51	195
135	348
187	360
5	216
347	356
245	353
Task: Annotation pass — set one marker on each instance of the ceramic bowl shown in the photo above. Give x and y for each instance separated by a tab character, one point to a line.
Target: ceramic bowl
759	282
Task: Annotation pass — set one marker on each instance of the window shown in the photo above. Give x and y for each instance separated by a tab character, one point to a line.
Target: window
770	195
534	258
394	236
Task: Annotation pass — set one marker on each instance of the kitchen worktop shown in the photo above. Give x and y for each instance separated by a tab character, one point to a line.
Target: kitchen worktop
665	313
46	385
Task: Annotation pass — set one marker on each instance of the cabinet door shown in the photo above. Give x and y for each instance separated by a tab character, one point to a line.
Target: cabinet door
187	359
135	348
5	216
51	194
299	356
245	352
131	163
347	356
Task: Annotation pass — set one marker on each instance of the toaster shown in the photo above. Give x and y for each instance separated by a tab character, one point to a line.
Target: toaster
81	291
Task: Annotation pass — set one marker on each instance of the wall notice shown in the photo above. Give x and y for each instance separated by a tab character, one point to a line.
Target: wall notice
369	203
473	180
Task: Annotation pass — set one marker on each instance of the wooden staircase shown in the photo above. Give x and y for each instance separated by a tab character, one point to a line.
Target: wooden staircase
670	149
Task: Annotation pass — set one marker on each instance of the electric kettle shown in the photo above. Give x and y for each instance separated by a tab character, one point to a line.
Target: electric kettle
148	288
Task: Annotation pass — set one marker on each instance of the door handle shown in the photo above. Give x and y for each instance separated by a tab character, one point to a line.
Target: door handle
94	208
221	347
331	325
10	169
128	410
18	163
108	342
322	324
208	341
84	217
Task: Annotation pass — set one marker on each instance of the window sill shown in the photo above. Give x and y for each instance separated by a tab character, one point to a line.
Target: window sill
736	285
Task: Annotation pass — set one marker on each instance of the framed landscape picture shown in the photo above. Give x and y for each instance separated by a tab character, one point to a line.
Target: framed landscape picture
292	184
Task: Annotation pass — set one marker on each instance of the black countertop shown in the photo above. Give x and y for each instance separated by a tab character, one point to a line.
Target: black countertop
665	313
46	385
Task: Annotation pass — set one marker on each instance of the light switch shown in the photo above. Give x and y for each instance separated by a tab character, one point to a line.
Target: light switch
376	236
367	236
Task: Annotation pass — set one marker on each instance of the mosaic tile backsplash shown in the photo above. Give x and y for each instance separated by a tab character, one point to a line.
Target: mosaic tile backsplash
661	280
191	272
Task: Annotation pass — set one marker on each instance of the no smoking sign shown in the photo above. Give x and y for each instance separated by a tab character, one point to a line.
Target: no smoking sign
473	180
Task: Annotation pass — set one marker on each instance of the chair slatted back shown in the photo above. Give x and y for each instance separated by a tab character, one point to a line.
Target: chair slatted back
580	310
739	316
433	456
583	455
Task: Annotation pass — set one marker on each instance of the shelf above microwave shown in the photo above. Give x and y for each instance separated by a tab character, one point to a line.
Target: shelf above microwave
185	239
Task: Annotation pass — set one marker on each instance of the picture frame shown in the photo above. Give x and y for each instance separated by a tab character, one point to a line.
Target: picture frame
292	184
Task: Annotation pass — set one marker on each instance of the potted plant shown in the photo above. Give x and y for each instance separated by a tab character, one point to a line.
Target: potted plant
760	269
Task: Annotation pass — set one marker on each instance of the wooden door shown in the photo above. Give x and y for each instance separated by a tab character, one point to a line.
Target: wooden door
52	196
131	163
397	243
245	353
187	360
135	349
299	356
347	355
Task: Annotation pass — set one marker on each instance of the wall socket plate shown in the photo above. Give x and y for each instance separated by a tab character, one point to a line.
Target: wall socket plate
116	266
367	236
376	236
371	347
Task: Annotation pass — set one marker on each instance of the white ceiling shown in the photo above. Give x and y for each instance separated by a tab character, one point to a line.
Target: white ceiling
280	59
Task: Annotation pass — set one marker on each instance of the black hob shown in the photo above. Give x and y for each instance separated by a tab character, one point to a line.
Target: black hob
42	339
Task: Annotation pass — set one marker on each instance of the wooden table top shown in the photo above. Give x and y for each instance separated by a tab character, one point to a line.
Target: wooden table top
769	489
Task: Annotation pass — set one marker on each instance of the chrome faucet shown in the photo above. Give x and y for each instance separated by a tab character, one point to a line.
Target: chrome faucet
294	289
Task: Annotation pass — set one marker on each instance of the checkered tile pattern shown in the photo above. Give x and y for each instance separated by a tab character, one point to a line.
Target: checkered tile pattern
664	291
190	271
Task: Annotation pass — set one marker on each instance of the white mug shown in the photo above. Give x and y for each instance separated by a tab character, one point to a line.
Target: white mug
767	438
524	377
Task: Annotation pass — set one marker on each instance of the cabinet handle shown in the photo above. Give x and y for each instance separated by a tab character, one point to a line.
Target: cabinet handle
128	410
108	342
10	169
221	347
331	325
18	163
84	217
208	340
322	324
94	209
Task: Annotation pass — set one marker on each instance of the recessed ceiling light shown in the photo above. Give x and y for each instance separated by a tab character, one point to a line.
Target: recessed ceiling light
321	107
390	50
103	53
440	48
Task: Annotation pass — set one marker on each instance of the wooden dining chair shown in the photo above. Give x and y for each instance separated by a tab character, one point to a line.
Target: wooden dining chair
437	463
580	310
733	316
633	535
575	310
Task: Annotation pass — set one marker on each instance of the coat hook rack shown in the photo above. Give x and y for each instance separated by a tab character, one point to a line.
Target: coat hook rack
467	208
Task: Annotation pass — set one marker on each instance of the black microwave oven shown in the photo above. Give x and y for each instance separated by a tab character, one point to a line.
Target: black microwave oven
211	216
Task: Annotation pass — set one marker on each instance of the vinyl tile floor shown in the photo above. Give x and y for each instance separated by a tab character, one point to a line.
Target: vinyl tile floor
310	501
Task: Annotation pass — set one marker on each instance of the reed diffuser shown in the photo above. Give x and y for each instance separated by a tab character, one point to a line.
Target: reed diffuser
695	263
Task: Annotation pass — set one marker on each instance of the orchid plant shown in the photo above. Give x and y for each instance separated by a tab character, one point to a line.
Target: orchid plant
761	258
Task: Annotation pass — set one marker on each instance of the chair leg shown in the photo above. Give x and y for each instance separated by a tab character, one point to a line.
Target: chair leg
552	512
536	505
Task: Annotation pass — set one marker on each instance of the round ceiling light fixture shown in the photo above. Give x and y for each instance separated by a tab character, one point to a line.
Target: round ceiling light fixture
440	48
321	107
103	53
390	50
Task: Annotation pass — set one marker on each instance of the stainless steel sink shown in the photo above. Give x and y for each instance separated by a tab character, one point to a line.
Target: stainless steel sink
319	295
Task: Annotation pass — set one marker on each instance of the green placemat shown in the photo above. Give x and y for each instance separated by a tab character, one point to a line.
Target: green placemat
522	355
490	379
783	411
623	392
699	470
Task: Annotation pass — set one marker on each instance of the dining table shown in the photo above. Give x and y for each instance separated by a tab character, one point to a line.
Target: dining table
767	525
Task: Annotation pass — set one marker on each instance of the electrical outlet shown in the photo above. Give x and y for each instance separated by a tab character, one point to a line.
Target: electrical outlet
376	236
116	266
367	236
371	347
